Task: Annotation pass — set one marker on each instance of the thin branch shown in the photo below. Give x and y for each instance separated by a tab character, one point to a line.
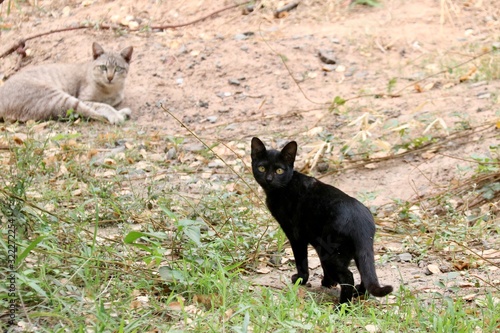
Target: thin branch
227	165
173	26
441	141
285	9
22	42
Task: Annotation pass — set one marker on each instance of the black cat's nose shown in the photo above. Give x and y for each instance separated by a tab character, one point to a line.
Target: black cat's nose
269	178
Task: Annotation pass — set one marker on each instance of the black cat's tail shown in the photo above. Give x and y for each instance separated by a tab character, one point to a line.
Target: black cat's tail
365	259
366	267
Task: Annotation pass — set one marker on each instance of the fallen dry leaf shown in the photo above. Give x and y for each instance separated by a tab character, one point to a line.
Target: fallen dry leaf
4	144
263	270
466	284
208	301
371	166
39	127
70	145
105	174
109	161
461	265
62	171
301	293
372	328
229	313
176	306
76	192
468	75
136	304
19	138
428	155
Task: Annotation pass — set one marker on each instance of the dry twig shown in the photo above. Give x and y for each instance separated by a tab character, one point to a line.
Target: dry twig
22	42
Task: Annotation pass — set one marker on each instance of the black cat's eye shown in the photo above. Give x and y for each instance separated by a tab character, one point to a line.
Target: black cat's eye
280	171
262	168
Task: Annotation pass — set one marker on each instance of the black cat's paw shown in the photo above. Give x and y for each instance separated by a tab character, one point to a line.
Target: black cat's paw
303	278
328	283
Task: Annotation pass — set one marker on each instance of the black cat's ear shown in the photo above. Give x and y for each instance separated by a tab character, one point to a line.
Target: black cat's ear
289	152
126	53
258	148
97	50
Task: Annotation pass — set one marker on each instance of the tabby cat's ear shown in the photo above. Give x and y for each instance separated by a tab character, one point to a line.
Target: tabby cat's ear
257	147
126	53
97	50
289	151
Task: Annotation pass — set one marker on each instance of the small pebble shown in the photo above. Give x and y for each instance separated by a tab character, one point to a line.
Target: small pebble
432	269
244	35
172	154
322	167
328	68
478	84
406	257
182	50
340	69
275	259
212	119
193	147
216	164
203	104
327	56
223	94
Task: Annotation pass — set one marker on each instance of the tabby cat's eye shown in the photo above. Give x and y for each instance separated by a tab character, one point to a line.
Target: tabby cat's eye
262	168
103	68
119	69
280	171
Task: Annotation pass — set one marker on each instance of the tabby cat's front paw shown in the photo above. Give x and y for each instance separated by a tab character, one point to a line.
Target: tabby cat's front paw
126	112
304	278
116	118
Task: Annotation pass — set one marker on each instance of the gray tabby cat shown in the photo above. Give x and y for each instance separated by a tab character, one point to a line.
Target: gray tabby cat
90	89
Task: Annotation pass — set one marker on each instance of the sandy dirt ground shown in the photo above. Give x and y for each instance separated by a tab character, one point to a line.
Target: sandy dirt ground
234	76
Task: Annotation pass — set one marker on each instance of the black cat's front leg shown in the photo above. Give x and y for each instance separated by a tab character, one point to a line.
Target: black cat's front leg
346	280
300	253
330	277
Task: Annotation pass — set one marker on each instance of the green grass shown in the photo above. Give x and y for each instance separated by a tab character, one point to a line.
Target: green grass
120	247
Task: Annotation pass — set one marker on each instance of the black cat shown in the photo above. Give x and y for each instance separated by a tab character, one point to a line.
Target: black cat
338	226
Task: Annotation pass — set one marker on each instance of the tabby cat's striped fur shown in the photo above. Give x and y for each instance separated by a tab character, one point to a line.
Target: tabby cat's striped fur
90	89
